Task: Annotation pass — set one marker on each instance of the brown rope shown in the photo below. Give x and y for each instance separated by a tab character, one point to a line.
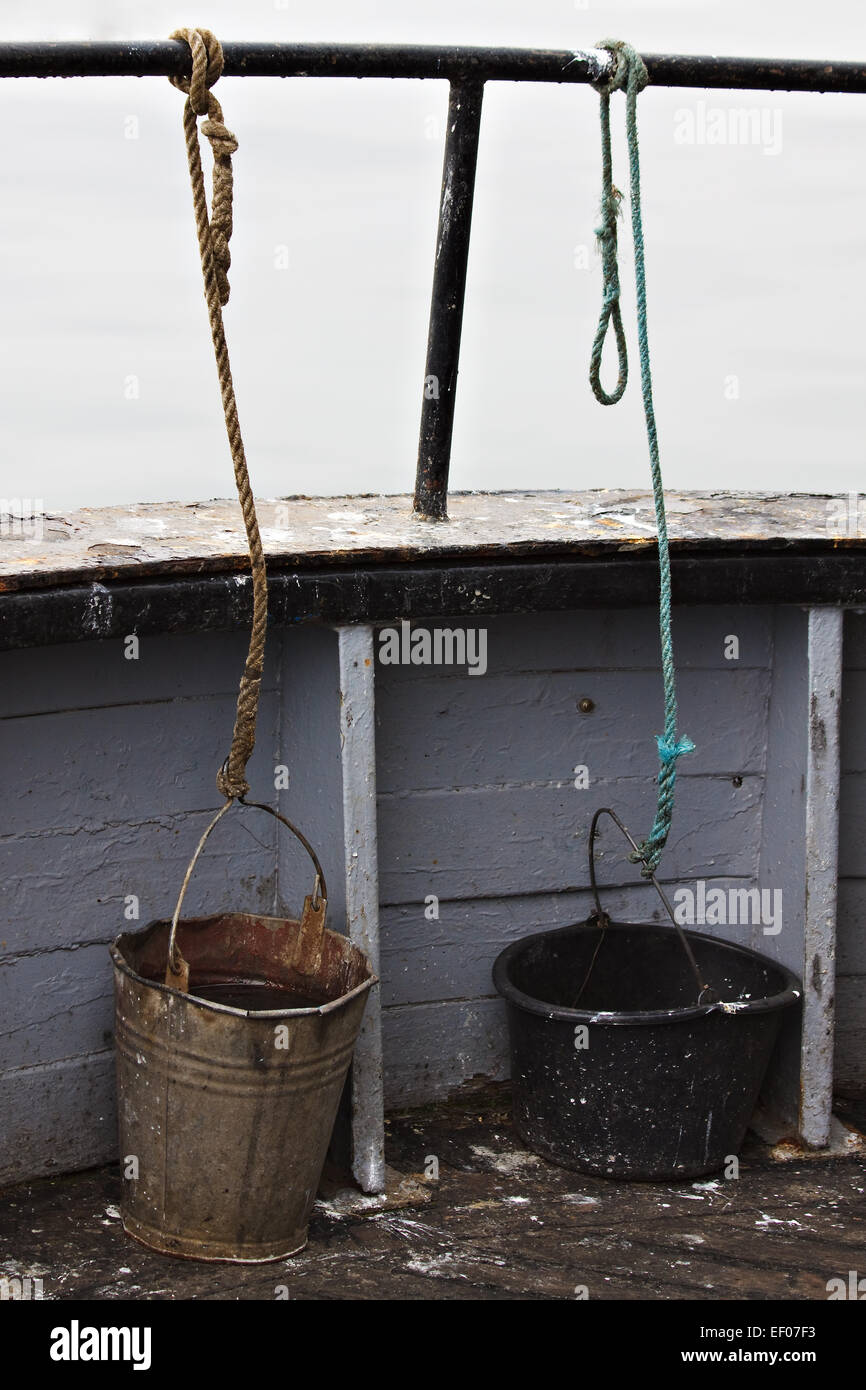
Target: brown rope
214	233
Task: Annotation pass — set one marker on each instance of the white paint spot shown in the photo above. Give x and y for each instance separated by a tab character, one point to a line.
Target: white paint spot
358	1202
274	535
508	1163
766	1222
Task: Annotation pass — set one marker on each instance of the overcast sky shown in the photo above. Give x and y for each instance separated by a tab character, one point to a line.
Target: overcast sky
756	262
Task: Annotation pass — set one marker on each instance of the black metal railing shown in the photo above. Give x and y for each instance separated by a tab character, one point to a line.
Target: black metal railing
466	69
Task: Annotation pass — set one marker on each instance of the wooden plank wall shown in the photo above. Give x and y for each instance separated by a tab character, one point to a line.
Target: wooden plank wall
477	806
108	770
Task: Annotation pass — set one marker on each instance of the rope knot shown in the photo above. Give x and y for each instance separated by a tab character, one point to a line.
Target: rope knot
207	66
669	752
230	787
214	231
628	68
223	143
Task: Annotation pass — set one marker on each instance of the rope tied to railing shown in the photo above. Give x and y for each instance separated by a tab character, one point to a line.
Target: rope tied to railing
629	74
214	233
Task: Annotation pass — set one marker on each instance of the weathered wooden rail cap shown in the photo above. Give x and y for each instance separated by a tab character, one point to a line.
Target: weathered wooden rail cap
101	572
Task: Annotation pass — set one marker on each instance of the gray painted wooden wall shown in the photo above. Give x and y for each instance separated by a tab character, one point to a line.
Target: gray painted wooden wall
108	772
477	805
108	776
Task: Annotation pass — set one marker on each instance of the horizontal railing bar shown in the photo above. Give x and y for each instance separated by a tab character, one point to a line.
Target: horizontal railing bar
167	57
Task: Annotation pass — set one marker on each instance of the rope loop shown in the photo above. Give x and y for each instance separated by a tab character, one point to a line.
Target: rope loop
207	67
214	230
629	74
606	235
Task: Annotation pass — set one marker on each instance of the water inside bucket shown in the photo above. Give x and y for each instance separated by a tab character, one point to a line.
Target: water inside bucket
253	995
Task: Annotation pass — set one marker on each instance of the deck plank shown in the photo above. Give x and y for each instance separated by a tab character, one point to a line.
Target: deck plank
500	1224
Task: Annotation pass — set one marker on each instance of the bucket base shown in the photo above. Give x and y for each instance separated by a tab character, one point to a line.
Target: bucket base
615	1171
189	1248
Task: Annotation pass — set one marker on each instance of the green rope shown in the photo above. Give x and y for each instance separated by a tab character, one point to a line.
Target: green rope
630	75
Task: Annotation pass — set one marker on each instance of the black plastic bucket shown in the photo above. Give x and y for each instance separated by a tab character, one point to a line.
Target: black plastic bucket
640	1081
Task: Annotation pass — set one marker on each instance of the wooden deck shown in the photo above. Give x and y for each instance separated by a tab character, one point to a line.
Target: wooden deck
499	1224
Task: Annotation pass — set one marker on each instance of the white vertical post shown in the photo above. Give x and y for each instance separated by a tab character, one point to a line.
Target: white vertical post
358	755
821	878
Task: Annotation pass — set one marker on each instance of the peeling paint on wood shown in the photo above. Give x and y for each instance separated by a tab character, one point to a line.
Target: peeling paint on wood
822	855
100	544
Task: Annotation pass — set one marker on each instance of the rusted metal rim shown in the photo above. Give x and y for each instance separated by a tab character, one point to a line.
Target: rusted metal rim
122	964
790	993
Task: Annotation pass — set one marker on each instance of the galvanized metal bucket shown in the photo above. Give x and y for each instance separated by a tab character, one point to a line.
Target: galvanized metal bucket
225	1113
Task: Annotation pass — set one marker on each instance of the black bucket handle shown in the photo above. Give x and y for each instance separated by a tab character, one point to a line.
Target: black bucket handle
706	995
312	920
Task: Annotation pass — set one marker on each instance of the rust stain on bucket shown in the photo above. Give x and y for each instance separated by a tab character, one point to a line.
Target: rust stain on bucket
228	1111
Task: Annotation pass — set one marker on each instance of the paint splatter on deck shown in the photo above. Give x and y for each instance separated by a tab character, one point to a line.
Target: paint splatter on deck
499	1224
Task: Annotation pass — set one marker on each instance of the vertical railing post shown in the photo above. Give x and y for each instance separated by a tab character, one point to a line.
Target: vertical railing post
446	305
822	856
358	753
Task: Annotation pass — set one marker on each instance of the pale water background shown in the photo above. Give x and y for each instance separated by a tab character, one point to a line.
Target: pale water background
756	263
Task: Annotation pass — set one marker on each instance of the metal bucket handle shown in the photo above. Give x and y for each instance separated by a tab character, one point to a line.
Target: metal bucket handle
310	939
706	995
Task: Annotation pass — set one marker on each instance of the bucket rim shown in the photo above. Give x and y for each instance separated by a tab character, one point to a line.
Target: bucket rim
791	992
122	964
